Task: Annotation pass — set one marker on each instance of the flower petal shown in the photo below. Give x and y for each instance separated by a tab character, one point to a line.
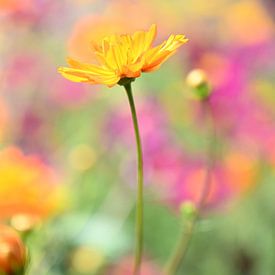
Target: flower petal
142	41
158	55
88	67
108	78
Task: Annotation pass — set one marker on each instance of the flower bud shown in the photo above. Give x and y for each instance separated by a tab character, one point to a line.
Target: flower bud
12	252
197	80
24	222
188	210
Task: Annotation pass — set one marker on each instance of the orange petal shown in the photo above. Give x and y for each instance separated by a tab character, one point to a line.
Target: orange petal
158	55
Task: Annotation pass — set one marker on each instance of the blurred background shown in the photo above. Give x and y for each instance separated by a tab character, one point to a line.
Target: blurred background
67	158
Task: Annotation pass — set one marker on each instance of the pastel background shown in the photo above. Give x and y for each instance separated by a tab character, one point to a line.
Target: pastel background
67	157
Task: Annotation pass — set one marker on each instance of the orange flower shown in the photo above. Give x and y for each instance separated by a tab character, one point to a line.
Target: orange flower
8	4
14	5
123	56
27	186
242	170
12	252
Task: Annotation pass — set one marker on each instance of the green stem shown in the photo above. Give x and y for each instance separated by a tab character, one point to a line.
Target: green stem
139	206
181	249
187	234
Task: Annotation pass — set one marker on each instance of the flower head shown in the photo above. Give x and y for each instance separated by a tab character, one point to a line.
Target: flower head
123	56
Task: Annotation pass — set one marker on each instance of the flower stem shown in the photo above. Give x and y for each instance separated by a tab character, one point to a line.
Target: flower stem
187	234
139	205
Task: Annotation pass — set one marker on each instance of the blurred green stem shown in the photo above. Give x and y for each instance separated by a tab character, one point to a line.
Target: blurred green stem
139	205
186	236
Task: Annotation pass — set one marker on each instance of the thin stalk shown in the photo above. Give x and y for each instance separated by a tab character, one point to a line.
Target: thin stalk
187	234
139	203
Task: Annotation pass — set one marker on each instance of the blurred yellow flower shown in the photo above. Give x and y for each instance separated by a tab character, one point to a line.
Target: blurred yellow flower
86	260
82	157
244	16
123	56
27	186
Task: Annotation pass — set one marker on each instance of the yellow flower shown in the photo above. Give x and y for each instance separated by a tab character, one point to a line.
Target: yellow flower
123	56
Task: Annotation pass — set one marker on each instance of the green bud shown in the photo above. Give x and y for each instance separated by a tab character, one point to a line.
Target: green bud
188	210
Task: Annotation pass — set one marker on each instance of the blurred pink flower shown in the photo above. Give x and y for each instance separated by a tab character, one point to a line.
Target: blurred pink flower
240	116
20	67
69	94
28	11
125	267
5	118
175	175
53	88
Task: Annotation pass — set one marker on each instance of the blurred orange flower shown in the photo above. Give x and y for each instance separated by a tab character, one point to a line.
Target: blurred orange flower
8	4
13	5
12	251
123	16
241	170
123	56
195	184
27	186
91	28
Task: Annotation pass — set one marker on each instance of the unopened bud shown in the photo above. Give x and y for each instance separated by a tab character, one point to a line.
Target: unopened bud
197	80
188	210
12	252
24	222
